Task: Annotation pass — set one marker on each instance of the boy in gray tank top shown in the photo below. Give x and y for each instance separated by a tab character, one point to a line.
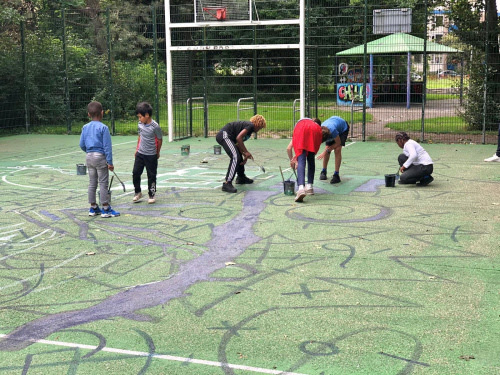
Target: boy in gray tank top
147	152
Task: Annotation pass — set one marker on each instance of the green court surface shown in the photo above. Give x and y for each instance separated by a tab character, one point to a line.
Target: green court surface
360	278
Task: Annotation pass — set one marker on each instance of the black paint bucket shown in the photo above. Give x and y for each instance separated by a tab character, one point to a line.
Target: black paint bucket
390	180
289	187
81	169
185	150
217	150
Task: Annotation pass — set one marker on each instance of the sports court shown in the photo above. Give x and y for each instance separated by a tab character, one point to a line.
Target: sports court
358	279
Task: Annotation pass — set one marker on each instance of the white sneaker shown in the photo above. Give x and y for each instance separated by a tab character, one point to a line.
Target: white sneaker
309	189
151	200
493	158
137	197
301	193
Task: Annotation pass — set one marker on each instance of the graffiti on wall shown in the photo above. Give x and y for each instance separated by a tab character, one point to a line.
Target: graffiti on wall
347	92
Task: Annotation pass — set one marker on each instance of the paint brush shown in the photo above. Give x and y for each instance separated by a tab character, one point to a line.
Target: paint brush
282	177
260	166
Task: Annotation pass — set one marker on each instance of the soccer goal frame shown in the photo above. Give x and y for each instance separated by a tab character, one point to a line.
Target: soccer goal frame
219	19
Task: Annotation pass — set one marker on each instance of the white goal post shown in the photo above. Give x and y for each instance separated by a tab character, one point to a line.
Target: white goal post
218	22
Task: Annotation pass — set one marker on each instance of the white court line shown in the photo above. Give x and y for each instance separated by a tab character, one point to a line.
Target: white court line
4	179
27	249
164	356
73	152
43	218
13	225
37	235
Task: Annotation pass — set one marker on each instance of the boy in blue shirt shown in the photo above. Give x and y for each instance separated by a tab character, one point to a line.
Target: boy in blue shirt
95	140
339	130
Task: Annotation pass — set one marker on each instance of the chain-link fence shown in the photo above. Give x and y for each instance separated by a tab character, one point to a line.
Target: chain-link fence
427	70
63	59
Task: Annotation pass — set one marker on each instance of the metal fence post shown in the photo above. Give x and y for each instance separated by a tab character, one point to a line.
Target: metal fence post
485	90
424	81
365	42
110	75
155	55
66	81
205	88
25	78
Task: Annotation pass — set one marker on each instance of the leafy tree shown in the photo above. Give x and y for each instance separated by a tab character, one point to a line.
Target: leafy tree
477	25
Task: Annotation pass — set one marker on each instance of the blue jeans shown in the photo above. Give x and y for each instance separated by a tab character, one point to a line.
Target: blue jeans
301	167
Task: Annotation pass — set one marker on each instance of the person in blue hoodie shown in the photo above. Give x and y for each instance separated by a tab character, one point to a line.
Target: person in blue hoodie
95	140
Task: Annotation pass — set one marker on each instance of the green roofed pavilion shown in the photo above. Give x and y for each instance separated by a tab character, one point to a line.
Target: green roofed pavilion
393	44
397	43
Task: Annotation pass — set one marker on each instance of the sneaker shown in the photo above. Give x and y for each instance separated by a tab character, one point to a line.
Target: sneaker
151	200
493	158
243	180
309	189
426	181
228	187
322	175
94	211
137	197
109	212
301	193
335	179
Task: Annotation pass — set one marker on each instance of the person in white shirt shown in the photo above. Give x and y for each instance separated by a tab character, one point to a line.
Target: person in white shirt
415	164
496	155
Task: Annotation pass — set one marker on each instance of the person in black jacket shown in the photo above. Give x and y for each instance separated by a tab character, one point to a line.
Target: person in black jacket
232	137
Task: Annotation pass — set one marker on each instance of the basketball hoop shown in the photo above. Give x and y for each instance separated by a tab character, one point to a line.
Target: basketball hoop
218	13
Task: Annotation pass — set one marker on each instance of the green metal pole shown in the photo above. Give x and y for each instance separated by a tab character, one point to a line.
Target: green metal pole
189	121
485	90
25	78
365	51
424	83
66	81
308	79
254	74
155	54
316	83
110	76
205	88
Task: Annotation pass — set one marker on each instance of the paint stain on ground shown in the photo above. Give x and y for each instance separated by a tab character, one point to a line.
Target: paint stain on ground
229	240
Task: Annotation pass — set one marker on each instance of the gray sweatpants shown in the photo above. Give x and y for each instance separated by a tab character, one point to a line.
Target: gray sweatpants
98	173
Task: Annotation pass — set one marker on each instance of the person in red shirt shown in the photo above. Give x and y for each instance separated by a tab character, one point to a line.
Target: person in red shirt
308	134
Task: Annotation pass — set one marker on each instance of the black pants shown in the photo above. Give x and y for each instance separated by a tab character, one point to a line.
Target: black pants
498	147
415	172
234	153
151	164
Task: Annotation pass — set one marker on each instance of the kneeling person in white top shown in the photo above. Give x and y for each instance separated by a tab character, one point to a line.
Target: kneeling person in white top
415	164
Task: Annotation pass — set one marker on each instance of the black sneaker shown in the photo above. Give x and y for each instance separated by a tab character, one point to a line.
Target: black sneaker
322	175
228	187
335	179
243	180
426	181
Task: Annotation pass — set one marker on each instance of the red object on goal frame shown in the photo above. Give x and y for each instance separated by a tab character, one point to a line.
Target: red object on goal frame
218	13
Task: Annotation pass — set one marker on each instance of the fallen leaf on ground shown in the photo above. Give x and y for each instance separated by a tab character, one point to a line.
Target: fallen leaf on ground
467	357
